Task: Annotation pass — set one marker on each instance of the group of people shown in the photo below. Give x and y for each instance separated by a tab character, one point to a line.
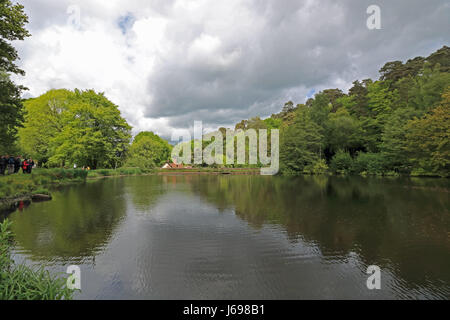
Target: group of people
13	164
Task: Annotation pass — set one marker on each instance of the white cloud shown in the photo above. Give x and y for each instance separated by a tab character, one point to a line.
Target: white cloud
168	62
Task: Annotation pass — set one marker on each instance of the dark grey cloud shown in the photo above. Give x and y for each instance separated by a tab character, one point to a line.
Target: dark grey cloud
247	58
302	44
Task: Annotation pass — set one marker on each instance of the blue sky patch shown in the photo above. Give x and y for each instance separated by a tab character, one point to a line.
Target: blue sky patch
310	94
126	22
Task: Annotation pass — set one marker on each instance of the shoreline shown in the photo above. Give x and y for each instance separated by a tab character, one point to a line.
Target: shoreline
10	204
228	171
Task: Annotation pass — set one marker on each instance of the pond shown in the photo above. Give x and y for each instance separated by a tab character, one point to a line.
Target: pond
244	237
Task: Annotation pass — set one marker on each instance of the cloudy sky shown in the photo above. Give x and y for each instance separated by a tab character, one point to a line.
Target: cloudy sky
167	63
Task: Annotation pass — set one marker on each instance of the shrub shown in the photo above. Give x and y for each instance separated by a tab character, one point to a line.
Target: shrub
141	162
317	167
341	163
369	163
105	172
116	172
130	171
58	174
79	173
41	191
5	245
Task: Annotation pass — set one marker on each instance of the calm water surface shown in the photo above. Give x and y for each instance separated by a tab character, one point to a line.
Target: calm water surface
244	237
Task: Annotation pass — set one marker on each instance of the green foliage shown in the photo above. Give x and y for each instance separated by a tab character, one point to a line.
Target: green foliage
380	104
368	163
393	72
273	123
317	167
300	143
39	181
381	100
358	100
341	163
42	191
19	282
59	174
428	139
320	108
12	28
397	124
380	124
333	96
256	123
11	113
117	172
94	133
441	57
148	150
43	122
428	88
5	246
343	131
394	139
80	127
132	171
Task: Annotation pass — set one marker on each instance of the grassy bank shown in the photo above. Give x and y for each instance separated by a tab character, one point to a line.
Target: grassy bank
19	282
40	181
117	172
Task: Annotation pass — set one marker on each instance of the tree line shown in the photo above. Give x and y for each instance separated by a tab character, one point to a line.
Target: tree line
398	124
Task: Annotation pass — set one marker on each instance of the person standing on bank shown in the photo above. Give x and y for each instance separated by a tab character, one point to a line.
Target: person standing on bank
17	163
2	165
11	161
30	165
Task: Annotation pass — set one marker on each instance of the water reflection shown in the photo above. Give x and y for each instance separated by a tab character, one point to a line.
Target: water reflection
75	225
246	237
401	224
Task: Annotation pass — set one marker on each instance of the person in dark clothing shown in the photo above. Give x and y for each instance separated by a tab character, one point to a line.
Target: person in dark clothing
11	161
17	163
30	165
2	165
